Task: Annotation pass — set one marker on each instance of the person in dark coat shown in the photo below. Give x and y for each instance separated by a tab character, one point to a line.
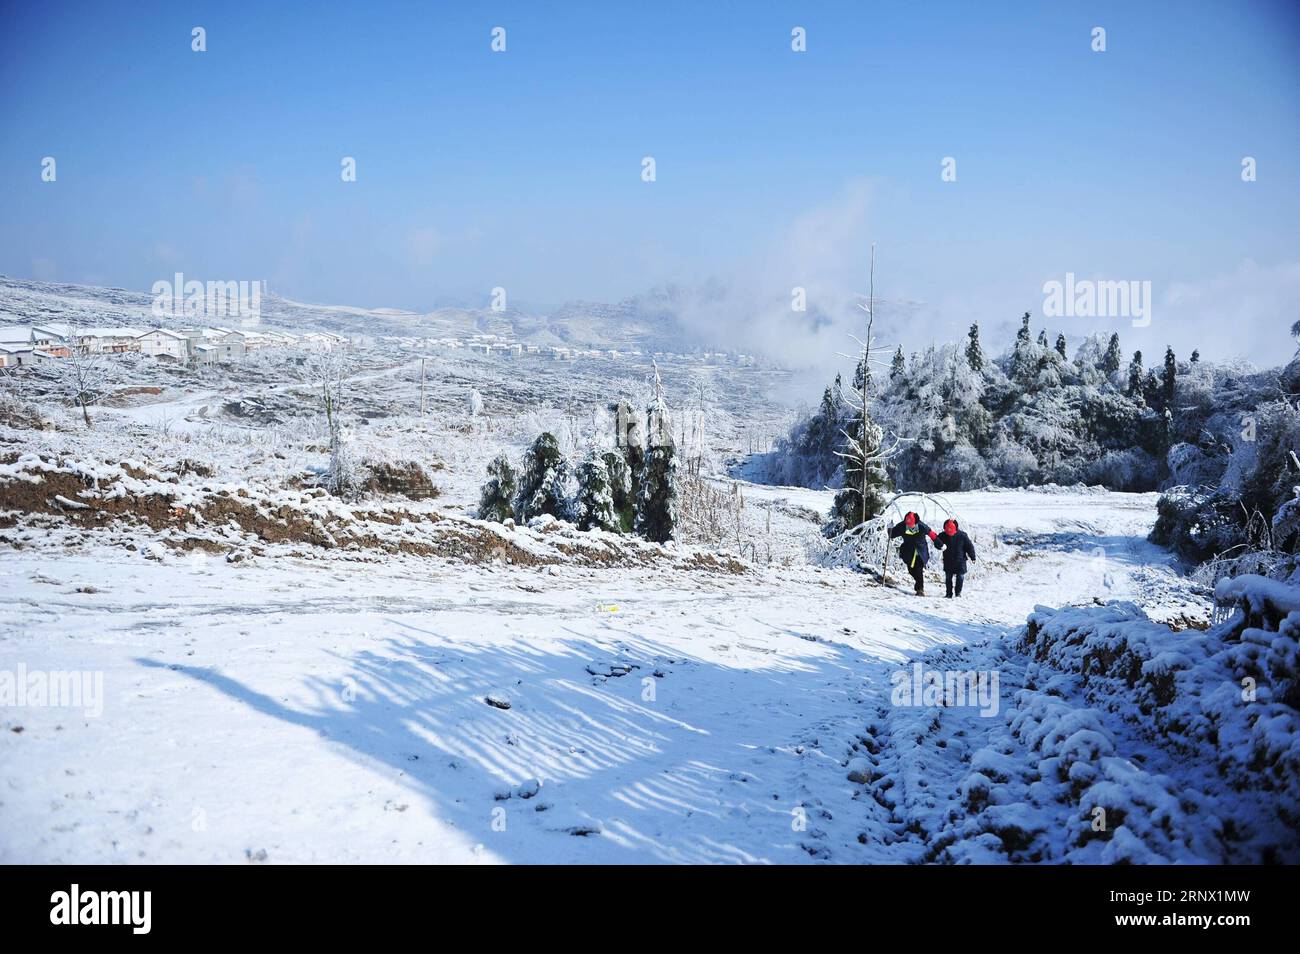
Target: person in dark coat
957	549
914	550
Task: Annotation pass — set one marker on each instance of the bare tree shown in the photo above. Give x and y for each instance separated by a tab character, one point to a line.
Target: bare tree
83	372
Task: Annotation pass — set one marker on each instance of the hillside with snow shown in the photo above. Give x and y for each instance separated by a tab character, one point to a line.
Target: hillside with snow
271	672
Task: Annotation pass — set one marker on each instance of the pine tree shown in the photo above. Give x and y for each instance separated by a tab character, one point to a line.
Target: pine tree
974	353
595	504
620	486
1060	346
1151	389
656	501
496	500
861	496
543	484
1168	378
1110	362
1025	358
897	368
1196	356
656	505
1135	375
631	440
850	508
1042	339
862	376
1023	336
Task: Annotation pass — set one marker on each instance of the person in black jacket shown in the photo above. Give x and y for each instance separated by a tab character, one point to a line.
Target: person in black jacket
914	550
957	548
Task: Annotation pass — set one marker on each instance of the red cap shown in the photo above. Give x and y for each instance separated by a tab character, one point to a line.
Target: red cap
950	526
910	519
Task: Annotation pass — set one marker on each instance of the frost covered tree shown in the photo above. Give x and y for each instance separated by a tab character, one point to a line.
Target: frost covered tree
1111	361
631	440
1060	346
83	373
862	493
897	367
656	501
1135	375
595	504
656	506
343	478
497	497
974	353
1025	356
620	487
1168	378
474	402
544	481
1042	338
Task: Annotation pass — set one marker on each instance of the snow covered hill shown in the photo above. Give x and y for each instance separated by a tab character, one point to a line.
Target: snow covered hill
409	709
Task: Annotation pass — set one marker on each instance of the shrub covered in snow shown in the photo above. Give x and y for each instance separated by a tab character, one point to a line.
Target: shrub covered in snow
497	498
544	481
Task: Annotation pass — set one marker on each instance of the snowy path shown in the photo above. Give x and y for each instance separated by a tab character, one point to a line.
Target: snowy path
176	411
333	711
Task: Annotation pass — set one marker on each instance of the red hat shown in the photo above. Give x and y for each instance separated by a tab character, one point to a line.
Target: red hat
950	525
910	519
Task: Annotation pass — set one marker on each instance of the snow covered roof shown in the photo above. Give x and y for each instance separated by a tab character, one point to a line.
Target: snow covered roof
108	332
162	331
57	330
15	334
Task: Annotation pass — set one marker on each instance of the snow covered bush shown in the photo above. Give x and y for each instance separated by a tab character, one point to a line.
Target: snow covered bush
595	504
620	488
497	498
544	481
656	504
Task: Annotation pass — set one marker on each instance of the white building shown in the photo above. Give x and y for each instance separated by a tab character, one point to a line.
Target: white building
108	340
15	355
44	356
165	343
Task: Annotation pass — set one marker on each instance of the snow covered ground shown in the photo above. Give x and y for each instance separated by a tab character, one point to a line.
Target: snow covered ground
327	709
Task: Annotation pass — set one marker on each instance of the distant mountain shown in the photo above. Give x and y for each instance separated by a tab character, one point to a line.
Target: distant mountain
646	322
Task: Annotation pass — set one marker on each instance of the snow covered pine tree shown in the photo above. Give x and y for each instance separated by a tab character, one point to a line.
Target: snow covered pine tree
496	500
544	483
595	505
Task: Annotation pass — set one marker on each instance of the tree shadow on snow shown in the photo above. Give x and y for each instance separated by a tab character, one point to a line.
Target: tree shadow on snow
624	778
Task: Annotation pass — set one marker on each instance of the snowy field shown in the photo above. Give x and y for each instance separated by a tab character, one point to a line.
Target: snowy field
329	710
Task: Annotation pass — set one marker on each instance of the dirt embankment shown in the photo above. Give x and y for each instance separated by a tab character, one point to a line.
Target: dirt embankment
190	512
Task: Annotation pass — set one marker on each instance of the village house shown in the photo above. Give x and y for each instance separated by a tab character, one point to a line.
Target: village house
165	343
15	355
107	340
51	339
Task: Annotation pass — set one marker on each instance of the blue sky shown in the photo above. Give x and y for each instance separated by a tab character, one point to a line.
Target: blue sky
775	168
